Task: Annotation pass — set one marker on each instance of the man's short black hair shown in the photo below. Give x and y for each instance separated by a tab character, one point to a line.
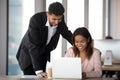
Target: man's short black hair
56	8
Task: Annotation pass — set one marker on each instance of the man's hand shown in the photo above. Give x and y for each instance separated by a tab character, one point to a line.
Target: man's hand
42	74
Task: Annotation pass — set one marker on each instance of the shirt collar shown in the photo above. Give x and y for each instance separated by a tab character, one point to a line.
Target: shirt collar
48	25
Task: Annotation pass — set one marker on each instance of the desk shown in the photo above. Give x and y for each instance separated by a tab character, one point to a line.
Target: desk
20	78
114	67
116	62
111	68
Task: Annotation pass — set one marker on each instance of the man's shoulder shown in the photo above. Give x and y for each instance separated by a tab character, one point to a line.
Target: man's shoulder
39	14
40	17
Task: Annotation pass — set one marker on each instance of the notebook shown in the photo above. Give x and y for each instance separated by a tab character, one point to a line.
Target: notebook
65	67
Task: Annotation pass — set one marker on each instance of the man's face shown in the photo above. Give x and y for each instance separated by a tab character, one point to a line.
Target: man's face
54	20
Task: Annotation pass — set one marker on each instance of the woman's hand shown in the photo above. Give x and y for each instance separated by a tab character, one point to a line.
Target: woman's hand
83	75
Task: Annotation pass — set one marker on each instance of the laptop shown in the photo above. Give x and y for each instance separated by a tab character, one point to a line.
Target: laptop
66	67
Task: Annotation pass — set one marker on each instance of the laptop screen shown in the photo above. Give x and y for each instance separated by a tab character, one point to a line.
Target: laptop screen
66	68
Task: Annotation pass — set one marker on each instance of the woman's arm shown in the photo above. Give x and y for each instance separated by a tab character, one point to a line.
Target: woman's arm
97	72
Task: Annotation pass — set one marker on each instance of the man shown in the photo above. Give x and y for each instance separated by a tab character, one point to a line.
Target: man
41	38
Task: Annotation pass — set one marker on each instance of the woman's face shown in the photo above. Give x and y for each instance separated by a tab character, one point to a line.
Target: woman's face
80	42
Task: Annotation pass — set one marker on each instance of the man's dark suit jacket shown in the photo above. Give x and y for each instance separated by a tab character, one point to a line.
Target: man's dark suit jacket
33	49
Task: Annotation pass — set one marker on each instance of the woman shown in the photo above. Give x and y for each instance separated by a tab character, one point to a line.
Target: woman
83	48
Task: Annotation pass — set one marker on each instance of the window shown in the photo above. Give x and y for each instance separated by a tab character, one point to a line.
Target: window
19	13
75	15
96	18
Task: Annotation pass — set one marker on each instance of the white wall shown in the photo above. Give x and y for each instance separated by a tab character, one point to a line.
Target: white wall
3	36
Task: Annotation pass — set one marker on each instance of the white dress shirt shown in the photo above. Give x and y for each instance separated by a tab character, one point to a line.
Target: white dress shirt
51	32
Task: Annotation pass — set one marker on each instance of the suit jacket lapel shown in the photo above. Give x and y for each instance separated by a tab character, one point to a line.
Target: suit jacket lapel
45	33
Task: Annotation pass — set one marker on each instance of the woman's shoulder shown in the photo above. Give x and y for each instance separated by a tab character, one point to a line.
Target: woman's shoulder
70	49
96	51
69	52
